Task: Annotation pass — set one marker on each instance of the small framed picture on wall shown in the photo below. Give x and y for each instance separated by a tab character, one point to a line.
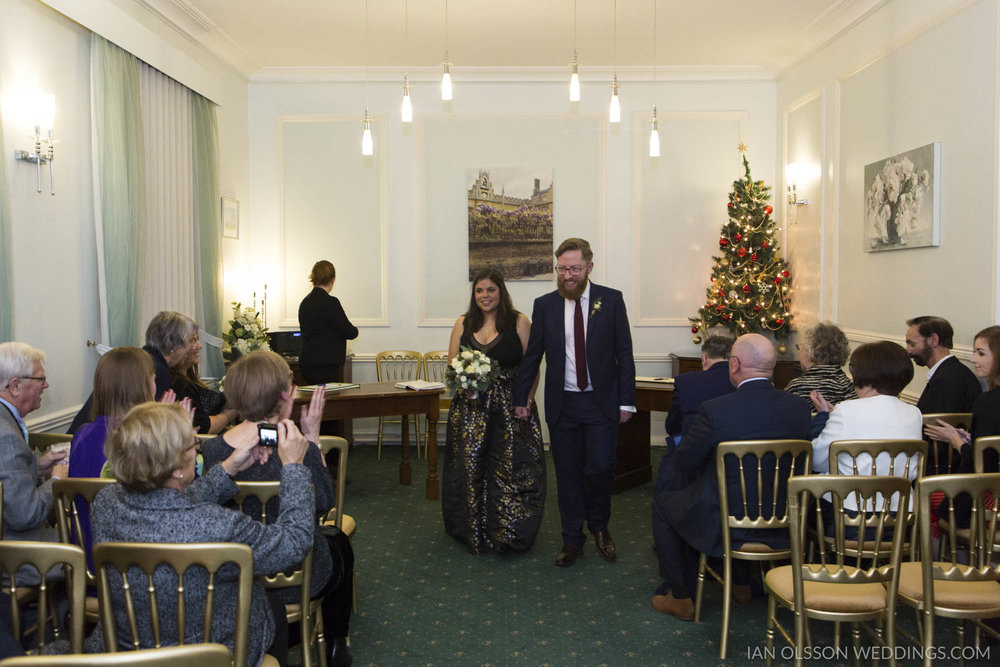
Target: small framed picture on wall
230	218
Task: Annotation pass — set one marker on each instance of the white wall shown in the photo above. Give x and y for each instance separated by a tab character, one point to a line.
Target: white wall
398	220
911	74
54	245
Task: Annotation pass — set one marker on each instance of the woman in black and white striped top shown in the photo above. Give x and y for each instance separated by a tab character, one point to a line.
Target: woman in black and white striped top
822	352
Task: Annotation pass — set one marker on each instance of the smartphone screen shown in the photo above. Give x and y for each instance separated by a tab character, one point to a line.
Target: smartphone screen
268	434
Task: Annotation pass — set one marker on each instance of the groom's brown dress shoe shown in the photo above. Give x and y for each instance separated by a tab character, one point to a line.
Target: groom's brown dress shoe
569	554
606	546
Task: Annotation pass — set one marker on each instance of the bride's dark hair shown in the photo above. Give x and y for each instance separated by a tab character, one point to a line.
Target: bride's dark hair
506	315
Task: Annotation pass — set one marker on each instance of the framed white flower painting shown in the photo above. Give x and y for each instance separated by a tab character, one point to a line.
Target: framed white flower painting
903	200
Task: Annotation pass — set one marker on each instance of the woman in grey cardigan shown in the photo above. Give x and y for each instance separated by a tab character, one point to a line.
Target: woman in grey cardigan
157	499
259	387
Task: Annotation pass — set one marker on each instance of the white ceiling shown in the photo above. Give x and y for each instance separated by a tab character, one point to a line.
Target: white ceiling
271	38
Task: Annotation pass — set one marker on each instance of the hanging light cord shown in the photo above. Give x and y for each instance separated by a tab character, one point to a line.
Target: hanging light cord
574	26
406	38
654	54
367	55
614	40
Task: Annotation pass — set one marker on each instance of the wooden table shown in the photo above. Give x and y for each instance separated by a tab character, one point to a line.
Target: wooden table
633	436
383	399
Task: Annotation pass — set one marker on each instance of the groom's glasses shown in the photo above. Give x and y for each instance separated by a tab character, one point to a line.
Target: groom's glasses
573	270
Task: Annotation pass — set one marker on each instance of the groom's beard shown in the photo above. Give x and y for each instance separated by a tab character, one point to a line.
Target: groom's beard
575	291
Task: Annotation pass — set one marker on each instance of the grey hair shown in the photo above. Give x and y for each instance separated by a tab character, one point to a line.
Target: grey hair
17	360
169	330
826	344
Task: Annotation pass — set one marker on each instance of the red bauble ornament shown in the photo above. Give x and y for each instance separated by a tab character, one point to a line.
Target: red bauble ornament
737	237
768	210
726	317
729	205
694	329
742	252
746	288
754	257
765	245
777	281
779	321
785	273
756	309
723	242
722	293
718	308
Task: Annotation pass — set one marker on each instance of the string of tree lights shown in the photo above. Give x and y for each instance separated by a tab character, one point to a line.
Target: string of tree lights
750	280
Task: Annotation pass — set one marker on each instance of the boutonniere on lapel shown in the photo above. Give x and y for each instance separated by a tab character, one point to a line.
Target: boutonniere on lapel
596	308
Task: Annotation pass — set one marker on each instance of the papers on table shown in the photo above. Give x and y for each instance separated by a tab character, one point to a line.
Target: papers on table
331	386
655	380
419	385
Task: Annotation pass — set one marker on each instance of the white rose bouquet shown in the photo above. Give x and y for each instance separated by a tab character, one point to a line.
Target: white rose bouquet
471	371
246	332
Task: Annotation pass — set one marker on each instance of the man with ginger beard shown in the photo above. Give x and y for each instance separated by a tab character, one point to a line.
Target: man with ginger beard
582	330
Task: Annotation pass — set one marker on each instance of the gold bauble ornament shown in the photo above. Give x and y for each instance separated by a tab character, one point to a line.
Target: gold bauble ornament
696	340
724	262
782	349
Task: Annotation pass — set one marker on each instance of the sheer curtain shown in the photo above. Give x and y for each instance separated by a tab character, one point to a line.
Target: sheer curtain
120	188
6	277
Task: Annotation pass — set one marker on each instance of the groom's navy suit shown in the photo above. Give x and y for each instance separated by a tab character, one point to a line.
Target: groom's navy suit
583	426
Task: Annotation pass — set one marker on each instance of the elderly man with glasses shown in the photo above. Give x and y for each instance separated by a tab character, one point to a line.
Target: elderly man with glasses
27	494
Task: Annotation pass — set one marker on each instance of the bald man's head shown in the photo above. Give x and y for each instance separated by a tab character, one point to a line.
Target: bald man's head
753	356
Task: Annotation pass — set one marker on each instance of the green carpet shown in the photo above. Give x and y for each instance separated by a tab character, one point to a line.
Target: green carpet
424	600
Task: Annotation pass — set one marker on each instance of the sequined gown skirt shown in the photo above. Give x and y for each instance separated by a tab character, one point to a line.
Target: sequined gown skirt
493	472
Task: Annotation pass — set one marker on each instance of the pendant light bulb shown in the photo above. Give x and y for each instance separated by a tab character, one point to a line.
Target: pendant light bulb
574	82
654	138
615	112
407	108
446	80
367	148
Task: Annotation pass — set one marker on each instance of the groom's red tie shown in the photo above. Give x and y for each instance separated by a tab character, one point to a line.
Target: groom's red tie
581	347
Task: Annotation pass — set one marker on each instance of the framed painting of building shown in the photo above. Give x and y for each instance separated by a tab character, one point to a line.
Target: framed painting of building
510	221
903	200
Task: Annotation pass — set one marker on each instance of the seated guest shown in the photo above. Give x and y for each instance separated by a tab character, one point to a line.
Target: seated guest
259	387
123	379
686	518
158	499
27	494
822	351
690	391
951	386
881	370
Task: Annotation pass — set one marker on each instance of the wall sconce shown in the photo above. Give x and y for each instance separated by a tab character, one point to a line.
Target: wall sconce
43	113
794	173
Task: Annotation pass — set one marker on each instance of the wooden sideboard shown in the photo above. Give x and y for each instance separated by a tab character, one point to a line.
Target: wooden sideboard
785	370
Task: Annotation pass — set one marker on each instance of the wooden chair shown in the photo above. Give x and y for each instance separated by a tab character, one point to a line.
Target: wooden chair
435	367
336	516
398	366
848	585
191	655
308	613
764	468
148	558
43	556
42	441
893	458
949	588
985	454
71	495
944	460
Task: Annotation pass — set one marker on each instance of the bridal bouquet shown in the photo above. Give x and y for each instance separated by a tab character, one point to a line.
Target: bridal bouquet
471	371
246	332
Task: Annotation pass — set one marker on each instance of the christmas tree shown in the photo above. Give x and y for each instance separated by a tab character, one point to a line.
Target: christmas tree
750	280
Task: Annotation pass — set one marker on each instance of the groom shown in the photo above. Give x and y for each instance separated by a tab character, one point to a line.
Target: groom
582	330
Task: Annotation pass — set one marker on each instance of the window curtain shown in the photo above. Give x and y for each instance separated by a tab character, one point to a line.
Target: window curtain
207	228
120	187
6	277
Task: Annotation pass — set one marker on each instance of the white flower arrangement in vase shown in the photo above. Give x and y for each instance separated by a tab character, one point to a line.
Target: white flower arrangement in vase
471	371
246	332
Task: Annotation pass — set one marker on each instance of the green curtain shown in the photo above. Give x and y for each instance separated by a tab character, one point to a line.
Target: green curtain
6	277
208	228
121	178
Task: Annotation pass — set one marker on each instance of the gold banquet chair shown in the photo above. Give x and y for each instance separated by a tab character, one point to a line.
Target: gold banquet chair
68	494
336	516
895	458
398	366
147	557
43	556
42	441
308	613
435	370
944	459
847	585
190	655
950	588
985	453
792	457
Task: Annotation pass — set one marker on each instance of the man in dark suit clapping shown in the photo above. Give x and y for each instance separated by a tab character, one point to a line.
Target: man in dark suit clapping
582	330
687	519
